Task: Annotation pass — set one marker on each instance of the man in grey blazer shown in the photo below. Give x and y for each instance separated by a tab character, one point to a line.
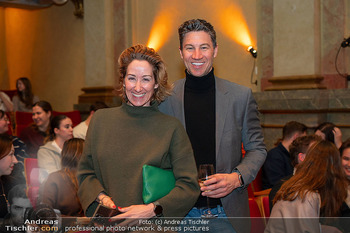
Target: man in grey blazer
218	116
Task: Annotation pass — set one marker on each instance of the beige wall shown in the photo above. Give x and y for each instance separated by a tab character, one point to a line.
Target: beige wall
49	45
46	45
4	82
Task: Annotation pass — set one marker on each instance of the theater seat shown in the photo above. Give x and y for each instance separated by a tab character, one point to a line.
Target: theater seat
10	93
31	172
257	222
266	206
22	120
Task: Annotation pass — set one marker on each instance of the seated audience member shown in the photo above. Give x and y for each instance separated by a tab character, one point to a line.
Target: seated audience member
328	131
19	146
80	130
25	98
49	155
297	152
7	163
18	205
345	156
278	164
5	102
317	189
33	136
60	189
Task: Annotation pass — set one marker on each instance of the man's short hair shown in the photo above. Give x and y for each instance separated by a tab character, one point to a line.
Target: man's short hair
18	191
196	25
300	145
98	105
292	127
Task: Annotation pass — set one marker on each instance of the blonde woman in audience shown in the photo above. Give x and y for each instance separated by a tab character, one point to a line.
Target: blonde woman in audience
318	189
5	102
34	135
25	98
60	189
49	155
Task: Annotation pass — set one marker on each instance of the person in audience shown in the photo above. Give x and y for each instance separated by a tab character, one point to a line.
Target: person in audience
61	188
5	102
80	130
25	98
345	157
297	152
278	164
329	131
19	146
121	140
18	205
49	155
318	189
7	163
34	135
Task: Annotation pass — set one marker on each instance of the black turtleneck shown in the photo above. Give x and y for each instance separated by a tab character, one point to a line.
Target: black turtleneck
199	104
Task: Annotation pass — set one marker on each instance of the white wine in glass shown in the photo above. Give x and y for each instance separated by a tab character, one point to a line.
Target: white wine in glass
204	171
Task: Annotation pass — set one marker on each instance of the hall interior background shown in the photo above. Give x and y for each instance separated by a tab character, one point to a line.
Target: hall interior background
72	61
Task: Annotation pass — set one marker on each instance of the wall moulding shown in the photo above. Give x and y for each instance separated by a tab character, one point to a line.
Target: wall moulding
296	82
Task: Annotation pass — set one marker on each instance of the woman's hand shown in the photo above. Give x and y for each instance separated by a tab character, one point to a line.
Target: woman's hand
132	214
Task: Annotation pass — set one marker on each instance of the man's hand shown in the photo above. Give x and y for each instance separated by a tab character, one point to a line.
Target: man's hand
220	185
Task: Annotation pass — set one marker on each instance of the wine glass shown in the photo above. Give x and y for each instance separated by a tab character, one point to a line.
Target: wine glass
204	171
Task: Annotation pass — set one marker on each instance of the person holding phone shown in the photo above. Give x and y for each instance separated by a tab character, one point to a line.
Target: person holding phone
121	140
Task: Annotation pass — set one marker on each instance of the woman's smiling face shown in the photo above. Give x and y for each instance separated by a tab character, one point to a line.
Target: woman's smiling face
139	83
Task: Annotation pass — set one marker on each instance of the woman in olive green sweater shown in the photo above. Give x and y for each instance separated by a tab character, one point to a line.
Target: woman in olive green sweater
121	140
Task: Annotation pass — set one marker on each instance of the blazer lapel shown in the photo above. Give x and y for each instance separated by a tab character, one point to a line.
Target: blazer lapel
178	104
221	110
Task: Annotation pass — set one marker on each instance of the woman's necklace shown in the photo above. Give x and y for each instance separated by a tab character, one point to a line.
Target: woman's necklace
4	195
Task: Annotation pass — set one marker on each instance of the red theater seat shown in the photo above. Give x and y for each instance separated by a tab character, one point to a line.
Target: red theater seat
10	93
266	206
22	120
257	222
31	171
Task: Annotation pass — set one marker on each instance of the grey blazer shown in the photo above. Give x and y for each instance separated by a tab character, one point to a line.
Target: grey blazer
237	122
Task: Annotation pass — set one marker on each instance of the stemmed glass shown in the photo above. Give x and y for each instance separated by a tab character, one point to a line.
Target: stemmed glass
204	171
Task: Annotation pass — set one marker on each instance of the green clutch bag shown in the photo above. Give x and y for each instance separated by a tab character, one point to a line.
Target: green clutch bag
157	183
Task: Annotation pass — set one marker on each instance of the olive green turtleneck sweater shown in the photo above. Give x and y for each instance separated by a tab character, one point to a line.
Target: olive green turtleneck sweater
120	141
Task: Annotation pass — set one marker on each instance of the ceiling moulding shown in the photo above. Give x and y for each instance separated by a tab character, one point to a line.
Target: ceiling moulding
37	4
26	4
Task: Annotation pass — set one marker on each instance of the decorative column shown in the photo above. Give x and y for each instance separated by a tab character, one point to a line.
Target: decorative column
104	40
